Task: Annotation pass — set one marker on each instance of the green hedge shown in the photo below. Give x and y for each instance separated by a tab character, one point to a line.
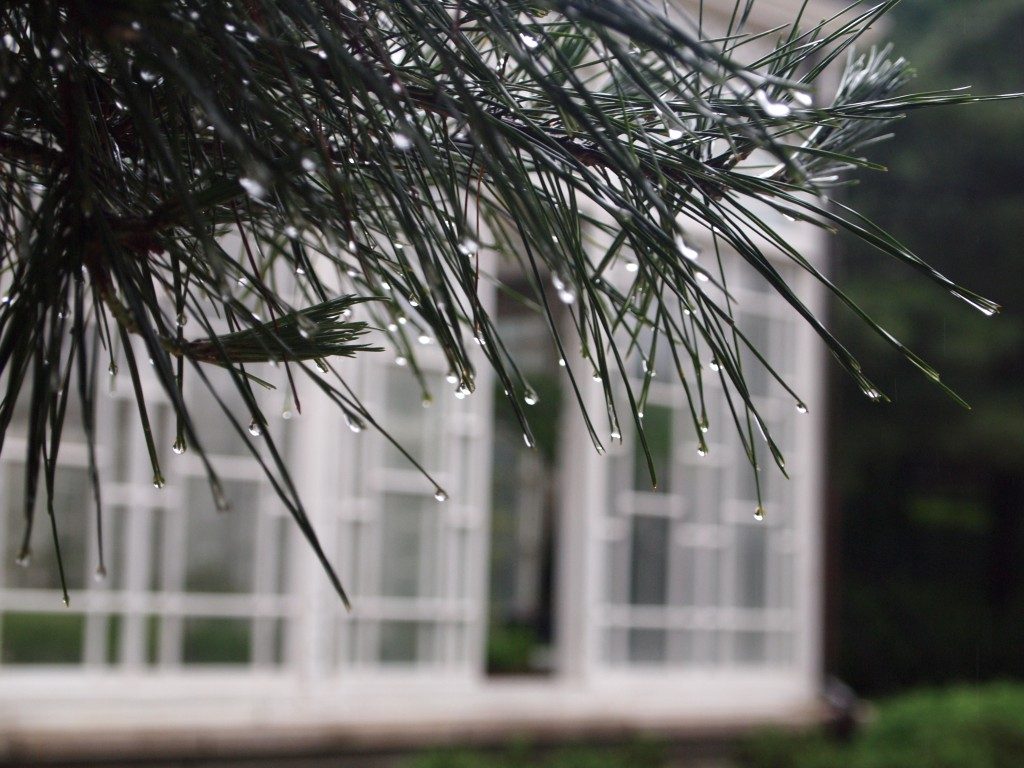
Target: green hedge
637	754
962	727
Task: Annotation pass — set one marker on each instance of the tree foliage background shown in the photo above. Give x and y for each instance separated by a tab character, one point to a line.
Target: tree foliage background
931	586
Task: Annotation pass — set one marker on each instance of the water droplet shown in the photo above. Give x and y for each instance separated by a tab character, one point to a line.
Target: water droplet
702	278
468	246
392	327
986	307
462	392
291	231
714	366
355	424
286	414
252	37
158	481
255	429
451	378
803	98
112	369
561	362
801	408
308	164
702	451
527	440
873	393
616	435
686	250
401	362
100	573
220	501
403	320
147	76
253	188
66	600
440	494
759	513
771	108
632	266
24	558
530	398
179	446
402	142
424	339
427	400
674	133
181	320
529	41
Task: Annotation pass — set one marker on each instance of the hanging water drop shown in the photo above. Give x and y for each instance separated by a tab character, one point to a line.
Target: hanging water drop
530	398
702	451
402	142
291	231
771	108
468	246
527	440
401	362
632	266
100	573
424	339
686	250
220	501
158	481
112	368
803	98
286	414
181	319
253	188
561	362
714	366
451	378
24	558
355	424
759	513
801	408
529	41
179	446
255	429
440	494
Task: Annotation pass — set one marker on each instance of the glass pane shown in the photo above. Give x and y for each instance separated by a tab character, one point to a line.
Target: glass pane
751	562
71	487
41	638
408	535
646	646
216	641
219	545
750	647
416	429
658	430
649	571
398	642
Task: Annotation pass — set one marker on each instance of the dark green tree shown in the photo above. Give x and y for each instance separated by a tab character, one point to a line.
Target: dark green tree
363	153
931	586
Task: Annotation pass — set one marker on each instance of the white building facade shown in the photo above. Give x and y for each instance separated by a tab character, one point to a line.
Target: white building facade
671	607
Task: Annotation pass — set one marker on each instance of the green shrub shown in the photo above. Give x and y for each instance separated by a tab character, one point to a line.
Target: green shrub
963	727
637	754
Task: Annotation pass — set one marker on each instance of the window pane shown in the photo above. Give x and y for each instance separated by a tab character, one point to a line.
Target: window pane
649	560
658	430
216	641
751	561
219	545
41	638
647	646
408	545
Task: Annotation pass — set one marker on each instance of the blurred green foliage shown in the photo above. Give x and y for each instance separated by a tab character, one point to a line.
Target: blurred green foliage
640	753
955	728
931	495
